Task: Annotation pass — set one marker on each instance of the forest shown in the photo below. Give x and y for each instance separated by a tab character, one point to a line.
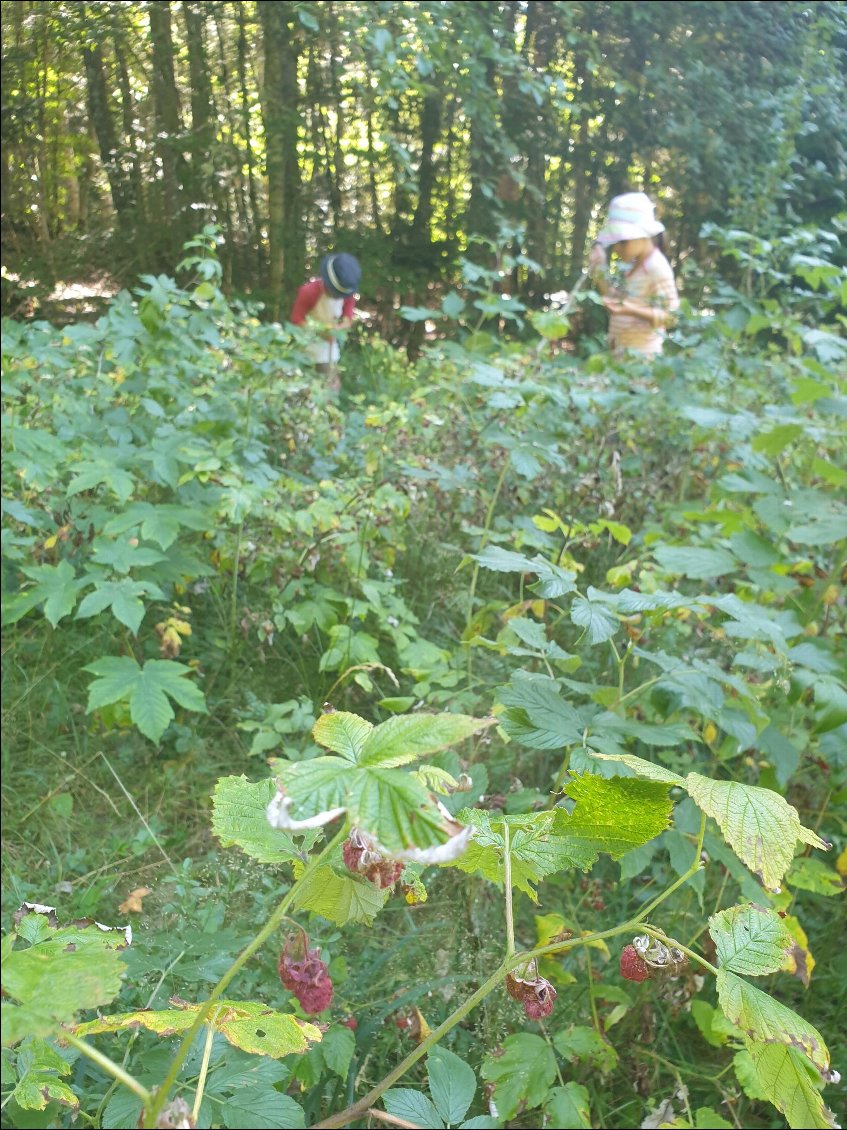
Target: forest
430	710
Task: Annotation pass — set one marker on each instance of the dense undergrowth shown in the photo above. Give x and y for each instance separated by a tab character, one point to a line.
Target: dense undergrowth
635	573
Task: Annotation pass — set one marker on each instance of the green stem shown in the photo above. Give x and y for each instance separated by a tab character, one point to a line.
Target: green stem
108	1065
507	883
661	936
689	874
204	1068
358	1109
489	517
154	1107
233	608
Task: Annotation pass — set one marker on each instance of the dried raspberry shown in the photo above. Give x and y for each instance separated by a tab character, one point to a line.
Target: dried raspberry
361	856
304	974
536	994
633	966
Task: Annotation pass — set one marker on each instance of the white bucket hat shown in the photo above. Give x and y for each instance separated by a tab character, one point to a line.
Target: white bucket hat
631	216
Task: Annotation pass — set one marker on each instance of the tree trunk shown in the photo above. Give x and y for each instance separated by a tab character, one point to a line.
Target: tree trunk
168	124
202	181
281	113
97	97
254	226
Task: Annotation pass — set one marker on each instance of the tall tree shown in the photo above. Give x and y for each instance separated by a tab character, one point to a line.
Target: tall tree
169	132
281	114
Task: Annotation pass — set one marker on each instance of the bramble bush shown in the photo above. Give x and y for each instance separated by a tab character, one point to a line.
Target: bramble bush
574	625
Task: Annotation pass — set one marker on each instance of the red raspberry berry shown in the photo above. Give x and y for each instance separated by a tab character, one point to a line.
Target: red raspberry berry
304	974
633	966
361	856
350	1022
536	995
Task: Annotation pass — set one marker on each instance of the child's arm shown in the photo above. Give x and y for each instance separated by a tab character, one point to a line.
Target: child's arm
306	300
347	309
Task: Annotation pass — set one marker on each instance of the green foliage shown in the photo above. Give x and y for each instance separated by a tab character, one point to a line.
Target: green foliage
573	623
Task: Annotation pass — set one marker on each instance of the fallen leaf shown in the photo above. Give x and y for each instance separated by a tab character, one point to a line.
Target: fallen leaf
132	903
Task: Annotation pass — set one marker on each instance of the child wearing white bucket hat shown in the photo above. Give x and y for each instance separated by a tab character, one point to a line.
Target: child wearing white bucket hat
641	308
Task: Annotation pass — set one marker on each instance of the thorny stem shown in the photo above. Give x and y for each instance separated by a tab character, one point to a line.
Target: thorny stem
154	1106
108	1065
507	883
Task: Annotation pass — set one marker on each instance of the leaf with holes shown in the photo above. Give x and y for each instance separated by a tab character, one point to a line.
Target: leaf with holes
752	940
248	1025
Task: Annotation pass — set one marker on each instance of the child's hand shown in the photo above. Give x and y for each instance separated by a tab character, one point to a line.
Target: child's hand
614	302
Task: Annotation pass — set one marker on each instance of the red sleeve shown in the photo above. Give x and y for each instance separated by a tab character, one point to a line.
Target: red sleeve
306	300
349	306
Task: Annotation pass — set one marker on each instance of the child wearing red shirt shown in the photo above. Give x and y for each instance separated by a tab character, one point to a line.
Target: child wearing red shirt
329	301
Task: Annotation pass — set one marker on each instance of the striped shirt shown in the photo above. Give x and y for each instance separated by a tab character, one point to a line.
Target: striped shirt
651	281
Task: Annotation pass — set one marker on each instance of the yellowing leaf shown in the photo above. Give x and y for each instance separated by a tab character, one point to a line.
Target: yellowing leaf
766	1020
248	1025
758	824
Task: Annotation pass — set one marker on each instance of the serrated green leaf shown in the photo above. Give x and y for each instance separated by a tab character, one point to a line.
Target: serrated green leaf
317	785
339	898
239	820
766	1020
123	597
342	733
412	1106
75	968
452	1084
40	1068
785	1078
262	1108
409	737
337	1048
759	825
147	689
553	581
568	1107
536	848
698	562
538	716
595	618
807	874
578	1043
248	1025
616	814
752	940
396	810
56	587
642	768
522	1074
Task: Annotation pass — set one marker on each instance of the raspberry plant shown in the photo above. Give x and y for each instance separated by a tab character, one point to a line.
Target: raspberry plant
371	776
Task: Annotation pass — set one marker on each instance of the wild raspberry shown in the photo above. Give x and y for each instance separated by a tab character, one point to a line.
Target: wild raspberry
633	966
361	856
304	974
536	994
